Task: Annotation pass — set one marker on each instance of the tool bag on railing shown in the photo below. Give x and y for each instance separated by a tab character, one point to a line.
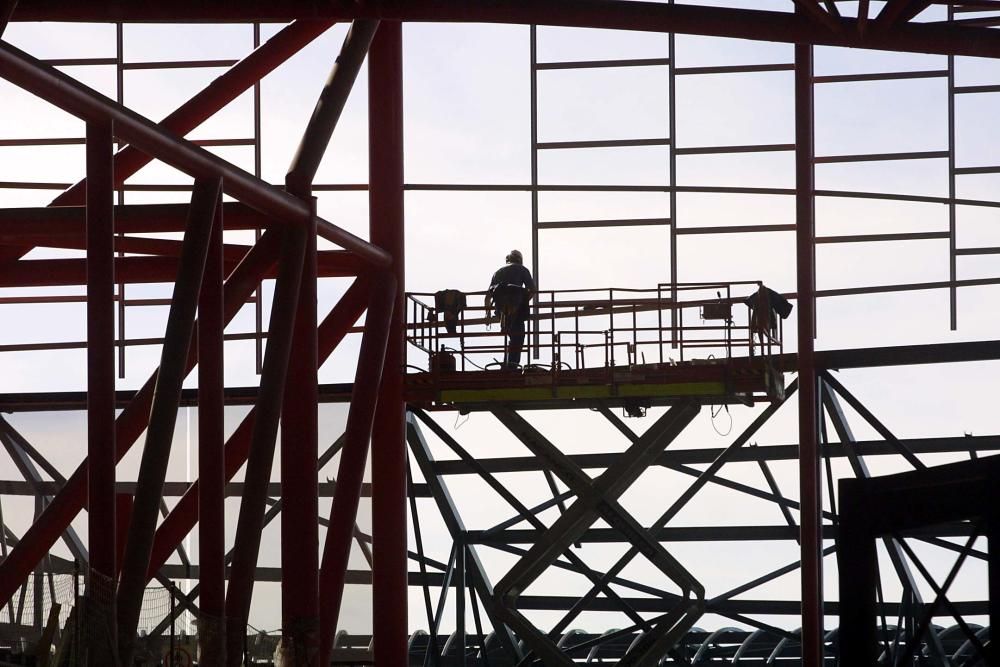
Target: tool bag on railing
450	303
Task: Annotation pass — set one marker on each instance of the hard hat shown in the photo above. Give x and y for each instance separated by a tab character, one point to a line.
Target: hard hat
515	257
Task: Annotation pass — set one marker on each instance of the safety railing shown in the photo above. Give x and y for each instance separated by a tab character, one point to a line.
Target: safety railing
591	328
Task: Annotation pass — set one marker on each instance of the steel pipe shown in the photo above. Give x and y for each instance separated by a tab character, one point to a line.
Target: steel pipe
300	476
810	490
163	412
211	452
182	518
100	276
263	439
70	95
389	523
350	475
132	421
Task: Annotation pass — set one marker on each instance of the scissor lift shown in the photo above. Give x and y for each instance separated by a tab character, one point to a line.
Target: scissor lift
612	346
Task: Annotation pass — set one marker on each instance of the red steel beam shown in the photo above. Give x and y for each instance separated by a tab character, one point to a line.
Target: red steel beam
131	422
70	95
810	521
300	477
100	278
41	223
163	412
350	474
206	103
61	272
211	454
389	523
771	26
335	326
257	476
300	611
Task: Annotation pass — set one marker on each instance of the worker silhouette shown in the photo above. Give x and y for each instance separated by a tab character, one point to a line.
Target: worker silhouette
511	288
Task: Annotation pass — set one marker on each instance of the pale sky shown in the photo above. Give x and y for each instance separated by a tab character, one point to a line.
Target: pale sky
467	121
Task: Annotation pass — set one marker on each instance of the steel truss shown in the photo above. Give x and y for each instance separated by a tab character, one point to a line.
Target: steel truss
550	546
128	548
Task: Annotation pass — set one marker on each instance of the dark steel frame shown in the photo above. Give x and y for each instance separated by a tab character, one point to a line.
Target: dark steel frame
290	221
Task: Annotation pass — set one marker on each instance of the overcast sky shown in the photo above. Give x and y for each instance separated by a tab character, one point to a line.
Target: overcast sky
467	121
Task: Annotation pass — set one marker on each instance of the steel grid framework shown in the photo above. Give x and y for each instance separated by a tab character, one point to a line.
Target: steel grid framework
218	278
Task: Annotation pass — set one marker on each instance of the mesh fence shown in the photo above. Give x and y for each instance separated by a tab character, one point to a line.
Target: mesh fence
27	613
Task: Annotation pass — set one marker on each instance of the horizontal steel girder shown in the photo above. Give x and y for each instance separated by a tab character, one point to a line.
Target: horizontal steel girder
613	14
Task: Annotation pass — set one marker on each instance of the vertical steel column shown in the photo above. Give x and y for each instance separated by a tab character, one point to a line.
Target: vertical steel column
858	577
163	413
350	475
129	425
672	133
299	434
101	385
533	40
300	475
211	453
262	441
385	112
809	460
952	212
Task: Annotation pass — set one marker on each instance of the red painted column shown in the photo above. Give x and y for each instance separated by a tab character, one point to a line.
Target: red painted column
365	397
211	455
300	474
101	501
385	114
809	457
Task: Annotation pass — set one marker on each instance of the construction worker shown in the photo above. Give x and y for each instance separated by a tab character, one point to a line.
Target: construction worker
511	288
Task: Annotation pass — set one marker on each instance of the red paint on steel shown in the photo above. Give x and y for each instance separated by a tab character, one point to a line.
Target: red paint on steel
182	518
174	367
123	514
350	474
211	444
811	541
100	278
263	439
389	524
70	95
206	103
300	476
134	270
46	223
63	508
771	26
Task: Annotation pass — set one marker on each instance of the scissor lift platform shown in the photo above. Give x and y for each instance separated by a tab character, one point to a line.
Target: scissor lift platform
729	365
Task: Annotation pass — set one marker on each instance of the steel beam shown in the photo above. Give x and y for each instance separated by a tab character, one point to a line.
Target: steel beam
207	102
456	528
810	492
211	453
360	419
260	456
772	26
130	424
70	95
185	513
101	522
24	457
328	108
389	523
163	412
597	498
